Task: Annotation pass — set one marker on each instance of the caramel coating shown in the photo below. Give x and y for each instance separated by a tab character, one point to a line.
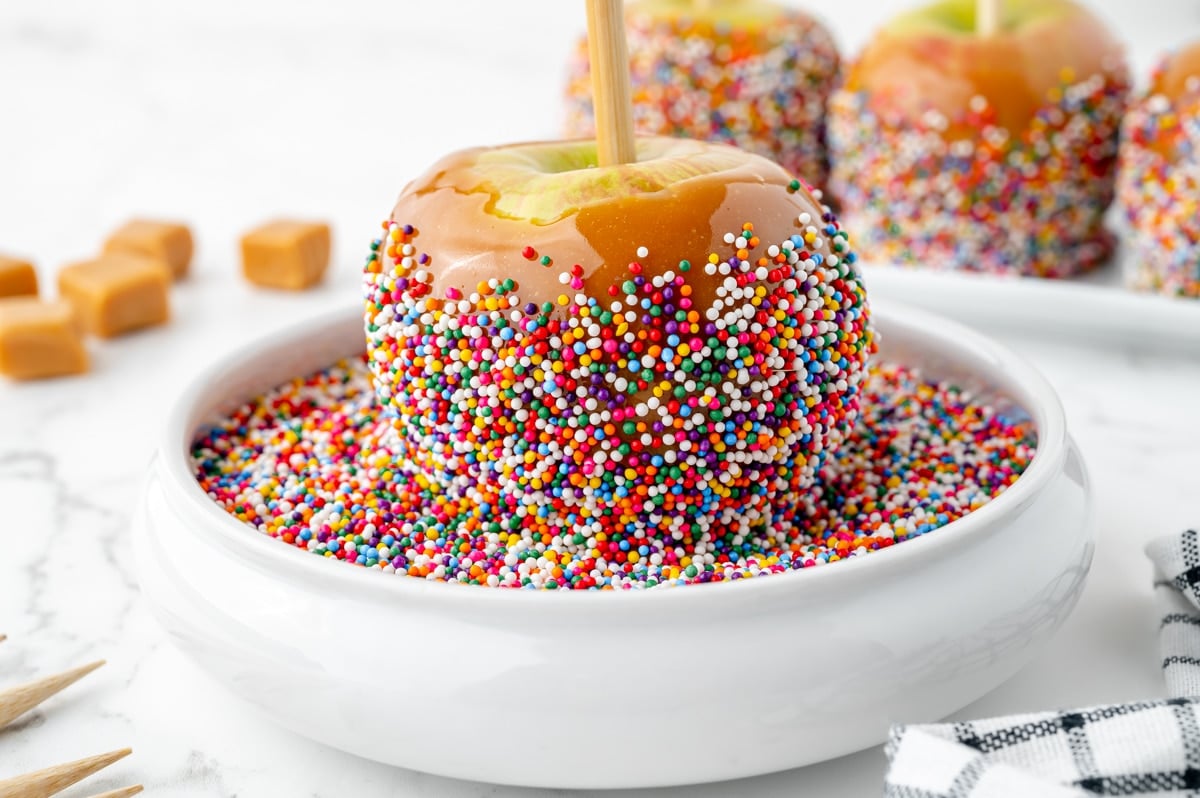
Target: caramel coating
1179	75
466	235
1177	80
931	59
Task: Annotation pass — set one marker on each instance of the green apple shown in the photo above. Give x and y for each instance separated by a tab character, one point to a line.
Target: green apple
1180	74
931	58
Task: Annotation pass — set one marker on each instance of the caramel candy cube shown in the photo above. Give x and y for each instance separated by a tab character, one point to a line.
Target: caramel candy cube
167	241
286	254
118	292
40	339
17	277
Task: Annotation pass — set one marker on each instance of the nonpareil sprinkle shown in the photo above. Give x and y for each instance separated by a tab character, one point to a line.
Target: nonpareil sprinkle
316	464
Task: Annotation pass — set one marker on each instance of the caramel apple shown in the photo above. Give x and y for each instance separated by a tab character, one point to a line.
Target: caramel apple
751	73
991	152
1159	177
1178	76
670	346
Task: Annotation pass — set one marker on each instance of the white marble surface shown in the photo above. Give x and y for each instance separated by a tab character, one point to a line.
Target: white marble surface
227	112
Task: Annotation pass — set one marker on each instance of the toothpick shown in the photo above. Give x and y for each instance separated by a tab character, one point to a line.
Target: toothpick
612	97
16	701
46	782
123	792
987	16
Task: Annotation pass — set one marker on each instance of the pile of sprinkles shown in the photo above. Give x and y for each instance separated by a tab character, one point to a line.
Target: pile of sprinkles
759	86
1159	188
316	464
678	401
985	200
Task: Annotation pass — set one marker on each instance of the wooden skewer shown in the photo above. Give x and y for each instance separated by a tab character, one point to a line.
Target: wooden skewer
123	792
46	782
16	701
987	16
613	98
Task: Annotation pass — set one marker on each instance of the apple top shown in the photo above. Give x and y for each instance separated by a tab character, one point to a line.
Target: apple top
481	212
1165	118
1179	74
931	59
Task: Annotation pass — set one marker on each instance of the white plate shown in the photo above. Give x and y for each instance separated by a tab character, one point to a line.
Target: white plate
607	690
1096	308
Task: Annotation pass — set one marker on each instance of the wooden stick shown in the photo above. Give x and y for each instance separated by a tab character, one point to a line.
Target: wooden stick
123	792
612	96
987	16
46	782
16	701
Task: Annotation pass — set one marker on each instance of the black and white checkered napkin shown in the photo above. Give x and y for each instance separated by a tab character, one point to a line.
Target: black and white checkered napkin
1145	748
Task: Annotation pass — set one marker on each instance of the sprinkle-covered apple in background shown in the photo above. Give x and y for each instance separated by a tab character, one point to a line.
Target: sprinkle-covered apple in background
1174	89
990	152
1159	177
751	73
666	347
932	58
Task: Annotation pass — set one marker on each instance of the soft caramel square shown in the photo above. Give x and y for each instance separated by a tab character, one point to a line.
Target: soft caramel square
40	339
117	292
167	241
17	277
286	254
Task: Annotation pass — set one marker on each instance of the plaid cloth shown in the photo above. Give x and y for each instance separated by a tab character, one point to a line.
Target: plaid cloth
1149	748
1176	579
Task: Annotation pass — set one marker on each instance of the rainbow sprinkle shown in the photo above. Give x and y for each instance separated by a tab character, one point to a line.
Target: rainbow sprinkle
759	87
1161	195
1030	204
317	464
646	413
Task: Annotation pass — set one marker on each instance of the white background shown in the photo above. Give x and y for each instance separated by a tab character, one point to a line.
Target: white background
225	113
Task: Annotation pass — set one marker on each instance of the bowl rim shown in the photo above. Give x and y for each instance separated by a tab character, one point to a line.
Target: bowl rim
284	562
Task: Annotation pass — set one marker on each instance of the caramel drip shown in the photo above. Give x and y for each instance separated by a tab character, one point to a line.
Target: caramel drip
469	243
1172	80
1016	71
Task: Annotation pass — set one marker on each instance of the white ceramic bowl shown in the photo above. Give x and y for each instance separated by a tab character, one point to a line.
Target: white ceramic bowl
687	685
